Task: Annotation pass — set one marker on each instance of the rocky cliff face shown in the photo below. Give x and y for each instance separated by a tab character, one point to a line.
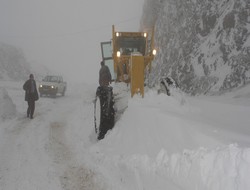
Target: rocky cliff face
13	65
203	44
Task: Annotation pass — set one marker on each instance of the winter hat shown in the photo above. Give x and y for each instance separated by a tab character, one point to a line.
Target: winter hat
31	76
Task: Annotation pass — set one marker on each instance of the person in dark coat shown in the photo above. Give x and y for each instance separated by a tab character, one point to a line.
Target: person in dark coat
104	75
31	95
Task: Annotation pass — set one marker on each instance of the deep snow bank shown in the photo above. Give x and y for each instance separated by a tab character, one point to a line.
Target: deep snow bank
7	107
160	139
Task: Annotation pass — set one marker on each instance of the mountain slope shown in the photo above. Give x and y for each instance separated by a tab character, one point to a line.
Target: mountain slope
204	45
13	64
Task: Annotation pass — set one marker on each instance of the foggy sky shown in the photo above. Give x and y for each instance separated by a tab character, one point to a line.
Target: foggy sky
65	35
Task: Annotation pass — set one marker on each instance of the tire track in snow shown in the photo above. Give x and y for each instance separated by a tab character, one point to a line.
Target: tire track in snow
72	175
19	155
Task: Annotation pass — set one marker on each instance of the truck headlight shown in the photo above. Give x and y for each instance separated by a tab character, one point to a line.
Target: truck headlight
41	86
52	87
154	52
118	54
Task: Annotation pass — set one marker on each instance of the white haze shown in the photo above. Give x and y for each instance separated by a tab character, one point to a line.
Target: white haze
159	142
65	35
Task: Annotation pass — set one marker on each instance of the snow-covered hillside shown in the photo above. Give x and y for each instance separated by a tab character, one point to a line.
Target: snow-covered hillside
14	64
159	142
204	45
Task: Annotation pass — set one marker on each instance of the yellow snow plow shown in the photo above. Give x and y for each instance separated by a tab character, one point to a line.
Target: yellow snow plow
129	56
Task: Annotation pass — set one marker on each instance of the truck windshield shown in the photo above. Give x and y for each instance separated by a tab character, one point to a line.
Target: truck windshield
51	79
128	45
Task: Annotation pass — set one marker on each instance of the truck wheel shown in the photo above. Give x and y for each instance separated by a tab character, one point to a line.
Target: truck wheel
104	114
97	114
63	93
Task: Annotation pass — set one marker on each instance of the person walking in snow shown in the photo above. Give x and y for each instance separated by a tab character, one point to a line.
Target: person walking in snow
31	95
104	75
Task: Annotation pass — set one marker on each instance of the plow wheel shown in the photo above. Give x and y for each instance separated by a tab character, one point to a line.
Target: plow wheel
104	114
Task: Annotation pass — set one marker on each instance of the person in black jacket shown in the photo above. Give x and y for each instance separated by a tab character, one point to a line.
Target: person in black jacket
31	95
104	75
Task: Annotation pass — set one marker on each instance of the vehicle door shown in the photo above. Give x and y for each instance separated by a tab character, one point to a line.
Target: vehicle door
106	48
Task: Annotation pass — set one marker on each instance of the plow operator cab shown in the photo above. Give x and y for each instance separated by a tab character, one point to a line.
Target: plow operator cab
128	56
132	55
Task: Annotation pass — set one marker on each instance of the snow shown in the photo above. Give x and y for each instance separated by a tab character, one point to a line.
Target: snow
6	103
158	142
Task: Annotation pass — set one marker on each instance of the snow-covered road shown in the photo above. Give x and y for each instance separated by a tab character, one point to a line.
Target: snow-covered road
35	153
159	142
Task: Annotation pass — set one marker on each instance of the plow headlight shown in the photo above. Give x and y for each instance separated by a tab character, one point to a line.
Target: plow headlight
41	86
52	87
118	54
117	34
154	52
145	34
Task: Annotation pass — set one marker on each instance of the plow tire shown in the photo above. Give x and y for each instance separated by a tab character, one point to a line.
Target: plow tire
104	115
